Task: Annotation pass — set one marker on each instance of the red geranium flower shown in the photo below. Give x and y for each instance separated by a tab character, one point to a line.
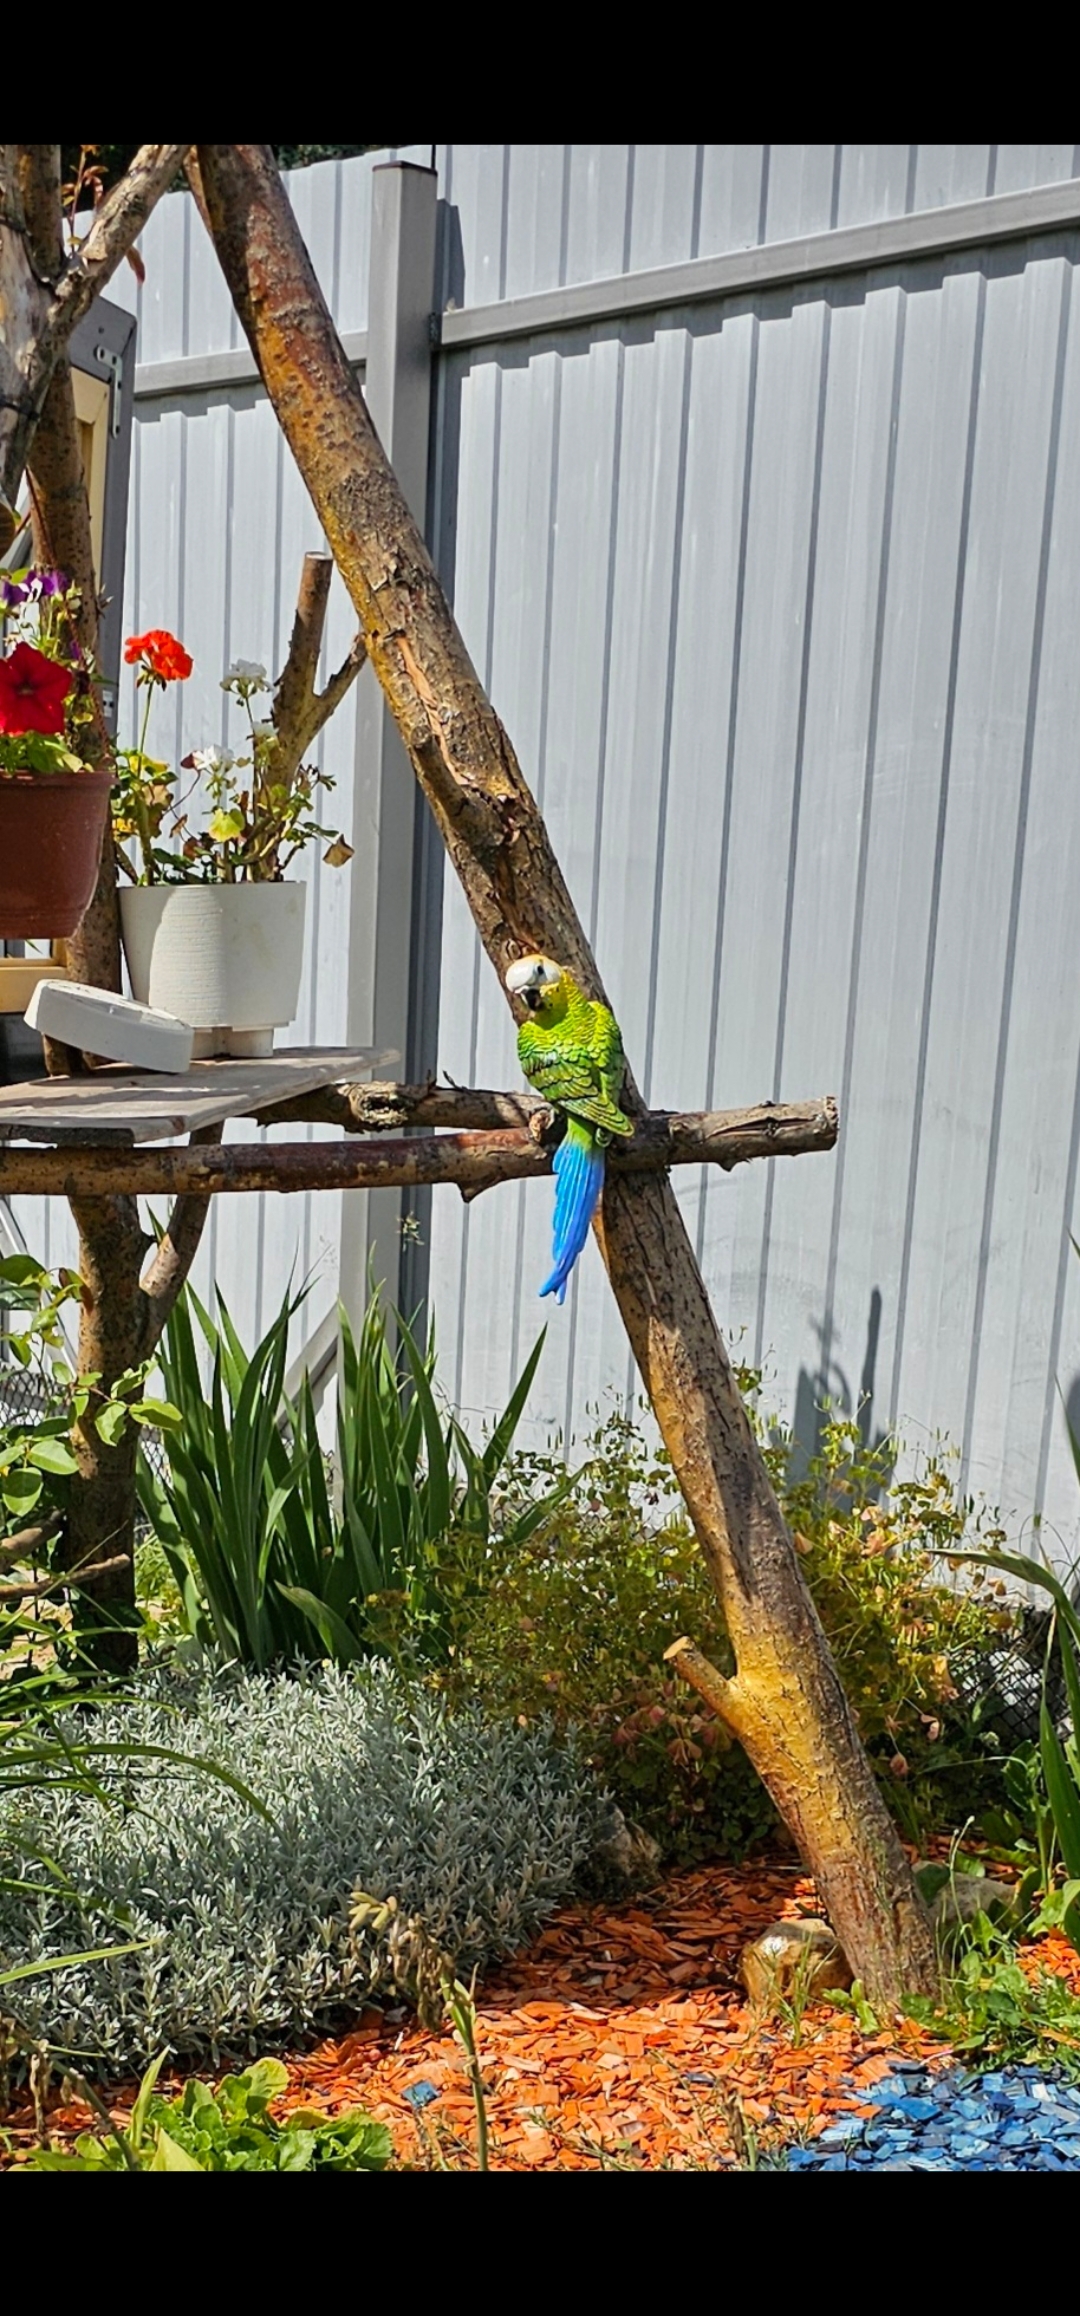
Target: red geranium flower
161	654
33	691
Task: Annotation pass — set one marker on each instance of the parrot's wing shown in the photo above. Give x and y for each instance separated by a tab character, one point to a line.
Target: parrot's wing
559	1079
607	1046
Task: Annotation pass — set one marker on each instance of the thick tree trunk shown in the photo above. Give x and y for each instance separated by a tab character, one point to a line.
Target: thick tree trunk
785	1701
124	1309
62	540
101	1517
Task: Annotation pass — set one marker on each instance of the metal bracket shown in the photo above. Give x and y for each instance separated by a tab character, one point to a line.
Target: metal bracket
114	363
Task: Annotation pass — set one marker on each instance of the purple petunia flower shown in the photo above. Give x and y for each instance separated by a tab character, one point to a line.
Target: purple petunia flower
12	593
50	582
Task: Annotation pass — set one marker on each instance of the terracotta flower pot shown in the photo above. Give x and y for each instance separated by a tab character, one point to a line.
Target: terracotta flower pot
51	826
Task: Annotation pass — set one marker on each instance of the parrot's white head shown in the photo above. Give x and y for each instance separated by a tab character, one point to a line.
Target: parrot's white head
531	978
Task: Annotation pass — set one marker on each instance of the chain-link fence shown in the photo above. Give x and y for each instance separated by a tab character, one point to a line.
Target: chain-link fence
1007	1685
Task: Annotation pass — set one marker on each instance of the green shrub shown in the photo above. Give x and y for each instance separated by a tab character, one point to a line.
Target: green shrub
480	1830
575	1620
993	2013
227	2129
1043	1782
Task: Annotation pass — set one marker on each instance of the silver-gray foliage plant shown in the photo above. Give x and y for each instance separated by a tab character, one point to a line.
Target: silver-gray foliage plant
479	1829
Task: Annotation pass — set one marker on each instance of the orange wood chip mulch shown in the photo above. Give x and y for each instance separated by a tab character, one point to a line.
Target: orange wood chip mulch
622	2037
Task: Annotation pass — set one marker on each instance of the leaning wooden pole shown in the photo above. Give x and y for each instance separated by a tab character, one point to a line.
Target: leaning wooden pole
784	1700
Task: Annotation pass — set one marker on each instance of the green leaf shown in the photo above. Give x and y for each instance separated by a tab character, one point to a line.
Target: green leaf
110	1423
139	2111
159	1412
1064	1796
1070	1914
20	1490
439	1494
334	1633
266	2080
53	1455
22	1270
498	1446
71	1961
225	826
169	2156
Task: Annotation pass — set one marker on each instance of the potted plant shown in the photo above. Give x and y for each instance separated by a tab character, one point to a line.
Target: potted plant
53	804
213	929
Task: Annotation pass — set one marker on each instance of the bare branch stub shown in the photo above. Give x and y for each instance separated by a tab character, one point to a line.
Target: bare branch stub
167	1273
299	710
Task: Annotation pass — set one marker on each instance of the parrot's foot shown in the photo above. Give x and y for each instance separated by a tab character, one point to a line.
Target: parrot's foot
541	1122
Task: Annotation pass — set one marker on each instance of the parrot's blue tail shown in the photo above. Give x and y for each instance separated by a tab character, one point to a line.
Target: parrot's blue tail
579	1179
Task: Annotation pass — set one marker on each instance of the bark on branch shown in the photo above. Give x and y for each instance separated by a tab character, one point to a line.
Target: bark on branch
474	1161
66	1580
165	1276
28	1541
720	1694
123	1313
299	710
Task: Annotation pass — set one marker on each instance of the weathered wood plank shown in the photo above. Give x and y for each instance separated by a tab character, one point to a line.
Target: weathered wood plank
118	1107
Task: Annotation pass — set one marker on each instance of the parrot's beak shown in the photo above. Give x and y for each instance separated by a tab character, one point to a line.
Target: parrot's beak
528	977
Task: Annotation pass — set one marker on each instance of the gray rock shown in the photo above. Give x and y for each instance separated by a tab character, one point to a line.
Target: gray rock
964	1896
626	1859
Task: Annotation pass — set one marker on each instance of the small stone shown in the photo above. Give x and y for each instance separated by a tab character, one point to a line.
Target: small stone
793	1956
968	1895
625	1859
421	2094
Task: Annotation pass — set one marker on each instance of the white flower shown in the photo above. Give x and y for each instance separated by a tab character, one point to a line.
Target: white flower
246	673
213	759
265	730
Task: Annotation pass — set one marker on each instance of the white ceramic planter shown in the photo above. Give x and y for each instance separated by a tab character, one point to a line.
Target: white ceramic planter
224	958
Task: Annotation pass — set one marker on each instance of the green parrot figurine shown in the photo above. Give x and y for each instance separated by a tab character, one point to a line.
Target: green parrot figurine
571	1052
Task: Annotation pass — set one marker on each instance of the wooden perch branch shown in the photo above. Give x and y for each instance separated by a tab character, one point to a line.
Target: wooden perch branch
717	1137
28	1540
389	1109
299	710
474	1161
65	1579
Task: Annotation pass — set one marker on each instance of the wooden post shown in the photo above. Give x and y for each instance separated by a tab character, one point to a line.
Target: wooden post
784	1701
